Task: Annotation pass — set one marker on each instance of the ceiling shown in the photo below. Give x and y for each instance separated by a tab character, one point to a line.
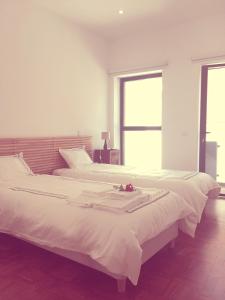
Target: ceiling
101	16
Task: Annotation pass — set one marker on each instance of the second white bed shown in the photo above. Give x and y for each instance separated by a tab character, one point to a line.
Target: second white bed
194	187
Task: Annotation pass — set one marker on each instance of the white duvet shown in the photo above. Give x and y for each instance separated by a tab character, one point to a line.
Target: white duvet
194	187
113	240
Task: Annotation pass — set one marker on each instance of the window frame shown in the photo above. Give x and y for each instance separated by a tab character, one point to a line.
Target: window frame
124	128
203	112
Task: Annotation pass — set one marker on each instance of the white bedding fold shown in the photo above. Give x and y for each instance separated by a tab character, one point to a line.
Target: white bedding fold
38	192
157	174
99	196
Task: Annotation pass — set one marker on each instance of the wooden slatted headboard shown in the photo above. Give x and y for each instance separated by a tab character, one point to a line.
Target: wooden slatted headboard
42	154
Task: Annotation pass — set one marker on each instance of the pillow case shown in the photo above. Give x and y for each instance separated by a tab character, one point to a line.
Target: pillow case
75	157
12	166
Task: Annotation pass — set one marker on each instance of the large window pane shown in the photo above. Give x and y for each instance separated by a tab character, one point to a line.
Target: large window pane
143	102
142	149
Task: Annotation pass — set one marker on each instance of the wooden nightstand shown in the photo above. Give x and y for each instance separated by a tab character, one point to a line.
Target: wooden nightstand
109	156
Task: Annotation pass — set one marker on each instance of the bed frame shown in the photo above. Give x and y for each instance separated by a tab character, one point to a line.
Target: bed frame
43	157
150	248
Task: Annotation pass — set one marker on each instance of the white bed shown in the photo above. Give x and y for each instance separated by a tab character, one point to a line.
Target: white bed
43	210
194	187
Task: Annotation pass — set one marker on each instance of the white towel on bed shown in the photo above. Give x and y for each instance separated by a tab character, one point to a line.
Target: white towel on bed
126	204
111	194
116	194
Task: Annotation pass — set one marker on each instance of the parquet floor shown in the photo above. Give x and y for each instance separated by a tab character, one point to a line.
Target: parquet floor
194	270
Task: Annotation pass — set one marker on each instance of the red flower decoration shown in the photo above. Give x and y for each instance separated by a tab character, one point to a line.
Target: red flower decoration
129	188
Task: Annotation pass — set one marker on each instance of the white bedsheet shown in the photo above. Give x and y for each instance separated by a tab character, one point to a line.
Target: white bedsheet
113	240
194	187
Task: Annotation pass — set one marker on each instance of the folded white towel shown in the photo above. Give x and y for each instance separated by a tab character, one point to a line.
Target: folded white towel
116	194
122	204
109	203
93	193
119	205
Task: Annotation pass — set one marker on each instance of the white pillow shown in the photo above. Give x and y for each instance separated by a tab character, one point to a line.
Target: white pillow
12	166
75	157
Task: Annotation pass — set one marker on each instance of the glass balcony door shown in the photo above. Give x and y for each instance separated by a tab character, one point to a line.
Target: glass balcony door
212	134
140	120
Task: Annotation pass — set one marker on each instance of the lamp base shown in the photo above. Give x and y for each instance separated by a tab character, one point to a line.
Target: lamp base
105	146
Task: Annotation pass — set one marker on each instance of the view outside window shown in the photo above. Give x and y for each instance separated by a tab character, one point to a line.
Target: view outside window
216	120
142	118
143	102
143	149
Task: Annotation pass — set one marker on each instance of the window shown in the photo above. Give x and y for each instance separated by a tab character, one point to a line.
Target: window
212	127
140	120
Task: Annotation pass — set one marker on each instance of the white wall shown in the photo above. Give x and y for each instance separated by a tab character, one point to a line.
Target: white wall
181	78
53	78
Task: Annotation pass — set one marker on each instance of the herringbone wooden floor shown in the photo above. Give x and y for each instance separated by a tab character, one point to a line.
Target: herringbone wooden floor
194	270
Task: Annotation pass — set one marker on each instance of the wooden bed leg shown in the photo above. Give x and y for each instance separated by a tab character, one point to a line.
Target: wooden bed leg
121	285
172	244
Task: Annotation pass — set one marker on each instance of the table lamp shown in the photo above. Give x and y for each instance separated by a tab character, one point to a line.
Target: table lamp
105	136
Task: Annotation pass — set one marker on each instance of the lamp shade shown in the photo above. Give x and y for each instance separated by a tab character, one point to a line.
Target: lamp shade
105	135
